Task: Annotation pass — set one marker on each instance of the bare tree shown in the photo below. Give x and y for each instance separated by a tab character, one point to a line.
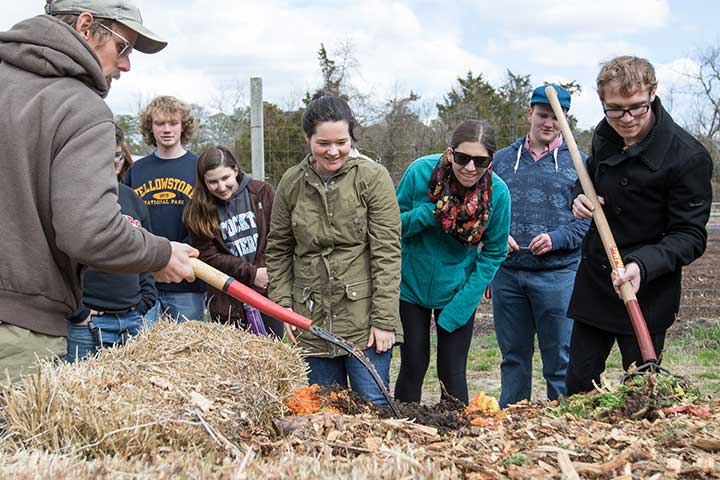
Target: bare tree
704	122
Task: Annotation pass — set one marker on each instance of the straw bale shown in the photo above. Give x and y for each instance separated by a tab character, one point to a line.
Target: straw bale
407	462
177	386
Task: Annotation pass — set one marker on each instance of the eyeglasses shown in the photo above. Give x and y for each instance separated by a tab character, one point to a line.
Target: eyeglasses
123	50
618	113
462	159
119	155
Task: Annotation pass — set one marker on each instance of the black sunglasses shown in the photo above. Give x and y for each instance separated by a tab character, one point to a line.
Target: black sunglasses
462	159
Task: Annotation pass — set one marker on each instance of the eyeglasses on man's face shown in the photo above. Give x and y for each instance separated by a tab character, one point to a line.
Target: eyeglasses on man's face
462	159
636	111
124	49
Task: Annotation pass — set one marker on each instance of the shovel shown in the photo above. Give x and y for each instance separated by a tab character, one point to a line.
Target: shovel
647	350
249	296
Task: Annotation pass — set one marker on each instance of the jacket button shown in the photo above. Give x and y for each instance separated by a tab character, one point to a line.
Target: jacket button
354	294
624	182
618	210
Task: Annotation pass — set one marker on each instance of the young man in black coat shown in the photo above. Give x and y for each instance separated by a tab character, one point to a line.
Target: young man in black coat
653	179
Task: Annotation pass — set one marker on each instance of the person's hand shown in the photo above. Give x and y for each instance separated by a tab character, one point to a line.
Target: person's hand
290	330
89	317
541	244
582	207
512	245
630	274
382	339
261	278
178	268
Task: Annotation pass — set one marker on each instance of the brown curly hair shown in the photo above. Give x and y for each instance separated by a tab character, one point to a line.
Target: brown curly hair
169	106
632	73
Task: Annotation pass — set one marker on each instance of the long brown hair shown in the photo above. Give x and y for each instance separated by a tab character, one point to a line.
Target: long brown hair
200	215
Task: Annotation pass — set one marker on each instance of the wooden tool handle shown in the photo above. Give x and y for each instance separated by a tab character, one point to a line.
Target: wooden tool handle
245	294
626	290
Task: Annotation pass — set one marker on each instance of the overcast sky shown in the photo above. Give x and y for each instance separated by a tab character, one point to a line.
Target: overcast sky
215	46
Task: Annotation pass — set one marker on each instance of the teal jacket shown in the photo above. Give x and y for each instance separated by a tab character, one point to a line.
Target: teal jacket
437	270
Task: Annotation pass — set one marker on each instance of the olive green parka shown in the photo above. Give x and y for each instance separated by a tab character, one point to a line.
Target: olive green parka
333	252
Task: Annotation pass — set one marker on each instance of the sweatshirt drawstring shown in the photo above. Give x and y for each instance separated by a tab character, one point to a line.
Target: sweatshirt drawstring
517	160
519	154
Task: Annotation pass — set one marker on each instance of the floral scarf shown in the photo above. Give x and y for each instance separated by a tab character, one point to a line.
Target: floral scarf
462	212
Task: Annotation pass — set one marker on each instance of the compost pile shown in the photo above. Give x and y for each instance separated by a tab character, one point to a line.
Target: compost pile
198	400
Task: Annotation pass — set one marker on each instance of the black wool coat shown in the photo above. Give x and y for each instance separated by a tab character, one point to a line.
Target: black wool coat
657	203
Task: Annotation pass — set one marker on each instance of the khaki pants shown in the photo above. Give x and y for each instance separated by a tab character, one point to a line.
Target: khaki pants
20	348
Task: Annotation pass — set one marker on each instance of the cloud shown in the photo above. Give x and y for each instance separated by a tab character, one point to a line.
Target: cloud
215	46
561	17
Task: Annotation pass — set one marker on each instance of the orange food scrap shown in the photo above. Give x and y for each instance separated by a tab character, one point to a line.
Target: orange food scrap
483	410
304	400
483	404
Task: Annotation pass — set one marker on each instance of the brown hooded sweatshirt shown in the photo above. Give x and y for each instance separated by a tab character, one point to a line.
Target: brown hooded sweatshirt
58	192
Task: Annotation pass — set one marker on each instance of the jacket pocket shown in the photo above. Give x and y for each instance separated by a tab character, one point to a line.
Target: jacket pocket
358	290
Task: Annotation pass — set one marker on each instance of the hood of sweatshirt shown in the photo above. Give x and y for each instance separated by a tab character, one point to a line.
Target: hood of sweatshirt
519	147
48	47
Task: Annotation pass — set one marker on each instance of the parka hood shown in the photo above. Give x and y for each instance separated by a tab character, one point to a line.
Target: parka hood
48	47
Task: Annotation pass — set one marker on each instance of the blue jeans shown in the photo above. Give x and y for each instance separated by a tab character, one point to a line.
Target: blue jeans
181	306
526	303
335	371
103	331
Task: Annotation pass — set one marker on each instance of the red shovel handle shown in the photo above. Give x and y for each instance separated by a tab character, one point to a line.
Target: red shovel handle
245	294
626	291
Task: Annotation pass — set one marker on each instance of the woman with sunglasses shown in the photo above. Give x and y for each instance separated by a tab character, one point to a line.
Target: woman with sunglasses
455	223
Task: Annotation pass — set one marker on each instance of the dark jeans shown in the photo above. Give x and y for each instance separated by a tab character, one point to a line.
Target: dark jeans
336	371
452	353
103	331
589	350
526	303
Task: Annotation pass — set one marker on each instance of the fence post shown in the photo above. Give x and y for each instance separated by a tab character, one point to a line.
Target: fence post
257	149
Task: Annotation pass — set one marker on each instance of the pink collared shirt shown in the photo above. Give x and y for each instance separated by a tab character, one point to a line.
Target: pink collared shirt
548	148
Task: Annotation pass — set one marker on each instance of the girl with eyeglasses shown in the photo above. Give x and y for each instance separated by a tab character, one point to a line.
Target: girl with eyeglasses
123	158
455	216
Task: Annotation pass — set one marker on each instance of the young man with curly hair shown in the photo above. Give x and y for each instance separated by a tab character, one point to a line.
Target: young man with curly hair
164	180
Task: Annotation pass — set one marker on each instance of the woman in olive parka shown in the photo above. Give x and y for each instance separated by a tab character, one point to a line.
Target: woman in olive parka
333	251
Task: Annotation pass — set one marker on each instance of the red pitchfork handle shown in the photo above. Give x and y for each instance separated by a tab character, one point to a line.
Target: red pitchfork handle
247	295
626	291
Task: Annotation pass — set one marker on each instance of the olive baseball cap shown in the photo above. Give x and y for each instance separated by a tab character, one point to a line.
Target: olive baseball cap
121	11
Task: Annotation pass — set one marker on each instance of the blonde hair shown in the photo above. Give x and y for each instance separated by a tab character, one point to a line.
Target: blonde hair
169	106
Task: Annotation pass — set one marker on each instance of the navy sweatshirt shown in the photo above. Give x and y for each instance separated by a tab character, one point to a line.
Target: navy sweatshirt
542	193
166	185
105	291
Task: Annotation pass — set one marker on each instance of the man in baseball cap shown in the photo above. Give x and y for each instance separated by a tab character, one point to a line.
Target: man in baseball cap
121	11
58	192
531	290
